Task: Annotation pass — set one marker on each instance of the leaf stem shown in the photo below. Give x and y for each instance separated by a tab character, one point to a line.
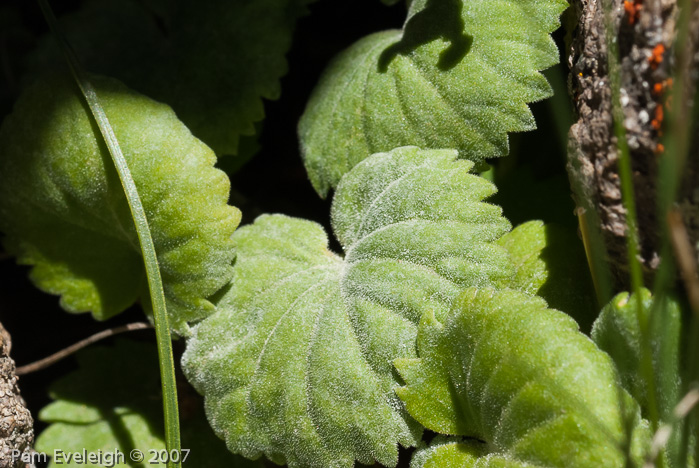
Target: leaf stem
155	285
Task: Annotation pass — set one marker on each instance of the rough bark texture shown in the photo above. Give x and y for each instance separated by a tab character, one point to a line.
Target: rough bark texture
645	31
16	424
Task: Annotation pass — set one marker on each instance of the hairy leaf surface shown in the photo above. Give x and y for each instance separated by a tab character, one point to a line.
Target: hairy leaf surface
508	371
297	362
113	402
617	332
454	453
550	262
63	210
458	75
212	61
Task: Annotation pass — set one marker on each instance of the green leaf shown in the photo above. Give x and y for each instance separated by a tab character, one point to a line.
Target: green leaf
297	362
214	62
617	332
454	453
550	262
63	210
459	75
113	402
521	378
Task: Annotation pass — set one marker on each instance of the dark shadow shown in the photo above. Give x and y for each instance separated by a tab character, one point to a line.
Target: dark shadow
122	435
462	407
440	19
569	285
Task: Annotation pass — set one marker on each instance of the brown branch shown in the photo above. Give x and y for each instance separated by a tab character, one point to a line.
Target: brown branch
46	362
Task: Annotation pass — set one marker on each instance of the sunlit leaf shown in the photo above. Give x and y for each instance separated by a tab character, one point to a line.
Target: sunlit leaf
617	332
63	210
297	362
551	263
459	75
504	369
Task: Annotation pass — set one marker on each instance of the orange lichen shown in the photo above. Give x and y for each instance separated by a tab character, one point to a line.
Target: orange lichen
657	122
659	88
656	56
659	148
632	9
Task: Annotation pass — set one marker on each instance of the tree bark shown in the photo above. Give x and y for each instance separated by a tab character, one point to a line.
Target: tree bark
646	33
16	424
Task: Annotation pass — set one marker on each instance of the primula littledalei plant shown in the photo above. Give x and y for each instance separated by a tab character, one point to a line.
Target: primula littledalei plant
437	312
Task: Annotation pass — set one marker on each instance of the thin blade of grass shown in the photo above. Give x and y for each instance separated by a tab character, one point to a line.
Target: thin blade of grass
559	105
684	253
162	327
680	121
629	202
595	250
662	435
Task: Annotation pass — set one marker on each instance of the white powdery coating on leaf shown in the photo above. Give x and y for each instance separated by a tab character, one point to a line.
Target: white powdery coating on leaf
297	362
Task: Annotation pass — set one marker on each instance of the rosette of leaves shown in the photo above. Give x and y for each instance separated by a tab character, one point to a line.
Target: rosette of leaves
63	210
458	75
214	62
522	384
297	363
111	403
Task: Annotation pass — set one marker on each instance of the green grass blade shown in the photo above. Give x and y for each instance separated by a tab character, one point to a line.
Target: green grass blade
559	105
162	327
680	122
627	193
625	171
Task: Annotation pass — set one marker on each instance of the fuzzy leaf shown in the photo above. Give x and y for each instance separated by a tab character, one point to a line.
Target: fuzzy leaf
212	61
550	262
617	332
504	369
63	210
113	402
297	362
459	75
452	453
